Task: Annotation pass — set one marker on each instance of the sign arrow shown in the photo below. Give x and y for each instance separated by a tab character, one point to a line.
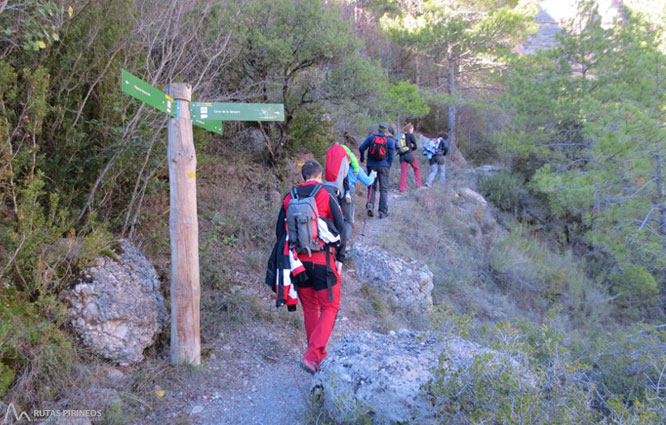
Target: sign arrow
143	91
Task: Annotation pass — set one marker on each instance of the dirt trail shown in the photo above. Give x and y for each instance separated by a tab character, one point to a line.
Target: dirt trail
254	375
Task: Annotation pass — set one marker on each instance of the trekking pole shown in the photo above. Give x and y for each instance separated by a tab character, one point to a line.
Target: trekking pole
365	216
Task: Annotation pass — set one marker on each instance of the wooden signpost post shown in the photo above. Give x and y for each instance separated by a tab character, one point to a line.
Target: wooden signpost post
183	222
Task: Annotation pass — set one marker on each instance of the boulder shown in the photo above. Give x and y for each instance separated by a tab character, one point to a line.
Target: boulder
116	307
471	196
382	377
407	285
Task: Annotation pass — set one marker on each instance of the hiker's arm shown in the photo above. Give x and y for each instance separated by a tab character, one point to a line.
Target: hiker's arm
279	226
412	142
339	221
365	178
391	152
363	147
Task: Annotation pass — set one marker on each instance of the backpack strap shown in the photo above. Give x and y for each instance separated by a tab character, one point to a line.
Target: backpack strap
316	190
294	193
328	278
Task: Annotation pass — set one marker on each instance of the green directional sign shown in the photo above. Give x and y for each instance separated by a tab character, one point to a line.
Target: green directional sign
214	126
237	111
143	91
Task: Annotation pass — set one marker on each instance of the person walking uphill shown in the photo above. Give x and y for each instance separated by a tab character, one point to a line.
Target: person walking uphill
341	172
319	281
405	145
381	150
436	151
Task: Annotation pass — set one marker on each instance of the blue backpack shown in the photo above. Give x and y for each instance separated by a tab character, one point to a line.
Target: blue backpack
430	147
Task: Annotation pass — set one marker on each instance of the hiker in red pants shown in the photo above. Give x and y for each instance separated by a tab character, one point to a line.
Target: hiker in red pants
407	158
319	290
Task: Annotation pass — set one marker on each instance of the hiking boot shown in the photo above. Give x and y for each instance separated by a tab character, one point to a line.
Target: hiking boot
371	213
383	215
309	366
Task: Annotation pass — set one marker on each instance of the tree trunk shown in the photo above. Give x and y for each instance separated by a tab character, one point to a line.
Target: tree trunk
454	152
184	231
661	194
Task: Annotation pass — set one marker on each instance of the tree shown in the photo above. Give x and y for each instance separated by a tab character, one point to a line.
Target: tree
462	37
590	114
288	48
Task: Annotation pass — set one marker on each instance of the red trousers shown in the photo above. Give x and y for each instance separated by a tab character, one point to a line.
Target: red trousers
404	166
319	314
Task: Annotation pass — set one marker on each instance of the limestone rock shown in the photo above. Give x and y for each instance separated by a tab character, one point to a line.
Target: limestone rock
471	196
382	377
406	284
116	307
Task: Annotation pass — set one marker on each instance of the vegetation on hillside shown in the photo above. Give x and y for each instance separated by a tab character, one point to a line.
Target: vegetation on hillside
579	274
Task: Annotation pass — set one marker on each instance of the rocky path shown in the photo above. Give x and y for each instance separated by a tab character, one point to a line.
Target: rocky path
253	376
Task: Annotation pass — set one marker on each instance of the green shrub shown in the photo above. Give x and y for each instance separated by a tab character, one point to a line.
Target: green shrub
311	130
505	190
509	386
636	291
34	350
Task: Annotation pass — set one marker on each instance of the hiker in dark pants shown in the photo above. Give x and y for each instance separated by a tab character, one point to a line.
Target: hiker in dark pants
408	159
319	293
381	150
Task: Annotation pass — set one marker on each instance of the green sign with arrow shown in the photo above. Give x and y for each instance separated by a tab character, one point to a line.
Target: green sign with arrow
237	111
143	91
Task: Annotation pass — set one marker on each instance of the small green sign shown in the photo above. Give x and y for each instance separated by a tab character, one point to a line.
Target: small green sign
214	126
237	111
143	91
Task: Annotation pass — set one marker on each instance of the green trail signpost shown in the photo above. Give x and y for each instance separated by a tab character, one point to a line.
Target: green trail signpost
237	111
183	221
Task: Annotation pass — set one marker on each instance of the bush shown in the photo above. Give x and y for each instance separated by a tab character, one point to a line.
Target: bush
544	384
505	190
311	130
637	294
35	353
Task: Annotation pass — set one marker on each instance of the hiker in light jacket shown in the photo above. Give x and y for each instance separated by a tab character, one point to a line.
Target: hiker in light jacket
381	150
437	159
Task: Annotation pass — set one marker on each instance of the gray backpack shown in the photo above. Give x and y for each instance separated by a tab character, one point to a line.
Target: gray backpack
303	222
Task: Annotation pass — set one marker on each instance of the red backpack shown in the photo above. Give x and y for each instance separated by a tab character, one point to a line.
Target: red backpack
378	148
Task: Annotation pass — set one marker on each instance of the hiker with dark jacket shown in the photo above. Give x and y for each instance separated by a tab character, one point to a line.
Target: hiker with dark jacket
341	172
381	150
409	158
319	290
437	160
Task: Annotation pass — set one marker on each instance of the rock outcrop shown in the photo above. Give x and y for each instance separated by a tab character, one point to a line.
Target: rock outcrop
116	307
474	197
407	285
382	377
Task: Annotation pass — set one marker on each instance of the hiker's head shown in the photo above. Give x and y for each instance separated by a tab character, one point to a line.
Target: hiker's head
383	126
391	130
409	128
311	170
443	135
